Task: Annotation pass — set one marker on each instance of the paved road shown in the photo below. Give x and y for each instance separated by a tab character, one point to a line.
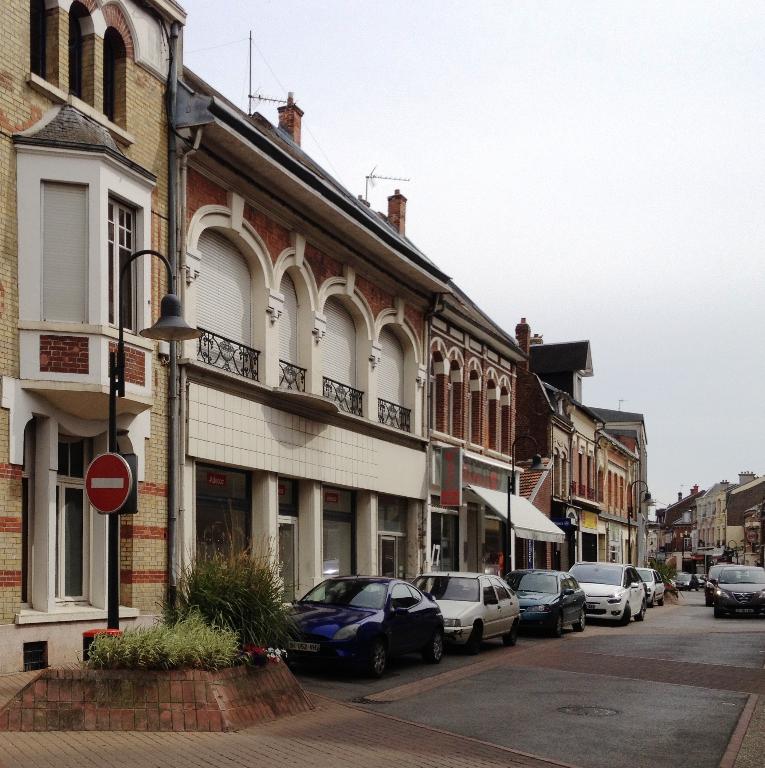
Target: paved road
668	691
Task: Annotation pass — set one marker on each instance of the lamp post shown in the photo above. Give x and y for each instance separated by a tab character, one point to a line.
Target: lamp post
646	497
169	327
536	465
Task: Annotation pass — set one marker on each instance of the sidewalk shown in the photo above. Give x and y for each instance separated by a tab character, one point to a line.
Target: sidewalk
333	735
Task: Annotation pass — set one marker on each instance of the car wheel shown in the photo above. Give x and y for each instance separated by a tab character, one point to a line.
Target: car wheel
378	658
580	624
557	630
719	614
473	644
511	638
626	616
660	601
641	615
653	601
434	650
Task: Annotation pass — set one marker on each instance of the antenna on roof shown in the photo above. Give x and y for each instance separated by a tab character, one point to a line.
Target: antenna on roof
257	96
372	177
620	403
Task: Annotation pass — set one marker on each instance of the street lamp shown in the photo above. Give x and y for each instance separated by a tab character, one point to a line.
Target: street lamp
646	497
169	327
536	465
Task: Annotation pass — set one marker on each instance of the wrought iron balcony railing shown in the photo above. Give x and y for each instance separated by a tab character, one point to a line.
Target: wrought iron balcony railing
394	415
347	398
291	376
228	355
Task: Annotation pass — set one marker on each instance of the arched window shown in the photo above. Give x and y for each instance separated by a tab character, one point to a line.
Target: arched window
288	323
505	420
474	408
114	76
390	371
37	37
77	12
564	475
492	394
339	344
456	400
224	293
439	392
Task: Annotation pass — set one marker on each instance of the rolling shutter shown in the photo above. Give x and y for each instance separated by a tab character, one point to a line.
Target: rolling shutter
65	252
223	303
288	323
390	371
339	344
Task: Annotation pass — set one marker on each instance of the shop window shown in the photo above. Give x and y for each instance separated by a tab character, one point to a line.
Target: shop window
37	37
444	541
121	244
338	533
288	533
65	252
392	524
114	76
222	510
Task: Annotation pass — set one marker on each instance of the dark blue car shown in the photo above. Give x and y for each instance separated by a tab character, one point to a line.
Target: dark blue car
364	620
549	600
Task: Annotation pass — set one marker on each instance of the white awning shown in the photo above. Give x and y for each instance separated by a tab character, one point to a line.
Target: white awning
527	521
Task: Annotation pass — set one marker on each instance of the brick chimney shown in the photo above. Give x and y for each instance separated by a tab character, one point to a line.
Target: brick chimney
695	489
290	116
397	211
679	495
523	337
745	477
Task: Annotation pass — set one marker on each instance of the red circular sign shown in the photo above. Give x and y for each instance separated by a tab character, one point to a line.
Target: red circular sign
108	482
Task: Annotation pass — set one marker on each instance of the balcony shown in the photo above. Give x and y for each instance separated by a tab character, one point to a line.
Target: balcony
346	398
394	415
228	355
291	376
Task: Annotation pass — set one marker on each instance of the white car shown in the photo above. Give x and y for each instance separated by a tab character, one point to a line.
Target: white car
654	586
475	607
612	591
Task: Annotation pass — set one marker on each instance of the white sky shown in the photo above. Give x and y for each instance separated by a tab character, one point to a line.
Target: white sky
597	167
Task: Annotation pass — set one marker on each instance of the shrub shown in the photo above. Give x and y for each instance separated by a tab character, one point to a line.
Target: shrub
190	643
237	591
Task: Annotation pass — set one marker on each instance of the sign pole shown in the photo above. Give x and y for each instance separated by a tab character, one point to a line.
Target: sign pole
113	549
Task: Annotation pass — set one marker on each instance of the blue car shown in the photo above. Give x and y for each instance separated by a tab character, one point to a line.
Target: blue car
364	620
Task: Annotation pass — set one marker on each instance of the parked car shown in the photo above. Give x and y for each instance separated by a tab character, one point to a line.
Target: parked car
686	581
475	607
711	585
740	590
362	621
654	586
549	599
612	591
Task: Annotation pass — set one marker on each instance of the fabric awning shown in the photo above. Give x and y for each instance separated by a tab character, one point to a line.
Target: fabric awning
527	521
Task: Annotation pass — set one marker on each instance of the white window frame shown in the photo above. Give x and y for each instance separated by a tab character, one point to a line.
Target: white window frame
131	322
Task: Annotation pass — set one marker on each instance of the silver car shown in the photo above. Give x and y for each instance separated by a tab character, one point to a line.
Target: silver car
654	586
475	607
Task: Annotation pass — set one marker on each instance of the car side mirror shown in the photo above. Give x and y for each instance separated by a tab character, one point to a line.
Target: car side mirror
635	584
568	591
399	611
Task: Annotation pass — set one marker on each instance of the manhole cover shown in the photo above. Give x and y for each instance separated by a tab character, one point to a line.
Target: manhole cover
588	711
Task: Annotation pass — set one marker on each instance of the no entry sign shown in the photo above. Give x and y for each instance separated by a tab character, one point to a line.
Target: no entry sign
108	482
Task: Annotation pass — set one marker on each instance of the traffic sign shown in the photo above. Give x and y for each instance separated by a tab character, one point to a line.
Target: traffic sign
108	482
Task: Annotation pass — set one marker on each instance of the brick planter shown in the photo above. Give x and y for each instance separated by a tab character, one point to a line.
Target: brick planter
81	699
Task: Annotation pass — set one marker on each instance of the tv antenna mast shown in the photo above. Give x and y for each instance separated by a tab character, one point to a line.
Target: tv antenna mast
257	96
620	403
372	177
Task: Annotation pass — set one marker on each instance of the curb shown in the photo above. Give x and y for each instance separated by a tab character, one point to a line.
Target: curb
739	732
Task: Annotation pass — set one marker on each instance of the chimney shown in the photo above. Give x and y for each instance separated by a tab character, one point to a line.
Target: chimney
362	200
746	477
537	339
695	489
679	495
397	211
522	336
290	116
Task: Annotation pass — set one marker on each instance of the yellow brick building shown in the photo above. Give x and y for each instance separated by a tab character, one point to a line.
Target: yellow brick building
83	183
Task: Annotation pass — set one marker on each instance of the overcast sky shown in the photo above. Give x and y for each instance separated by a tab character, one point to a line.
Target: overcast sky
596	167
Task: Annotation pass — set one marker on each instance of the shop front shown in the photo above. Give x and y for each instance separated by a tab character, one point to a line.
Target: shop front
588	526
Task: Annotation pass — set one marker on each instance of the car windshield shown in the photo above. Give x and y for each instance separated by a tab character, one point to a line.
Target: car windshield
449	587
349	593
646	574
591	573
742	576
533	582
683	577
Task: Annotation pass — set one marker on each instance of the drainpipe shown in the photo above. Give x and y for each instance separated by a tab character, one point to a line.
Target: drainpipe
172	247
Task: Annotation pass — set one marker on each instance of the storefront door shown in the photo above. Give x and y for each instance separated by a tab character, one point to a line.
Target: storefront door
444	542
288	556
338	532
388	556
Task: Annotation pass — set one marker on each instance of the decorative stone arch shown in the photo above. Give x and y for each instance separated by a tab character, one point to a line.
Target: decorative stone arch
354	302
114	16
288	261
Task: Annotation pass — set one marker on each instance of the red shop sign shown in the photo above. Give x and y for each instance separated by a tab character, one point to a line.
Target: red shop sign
331	497
217	479
451	477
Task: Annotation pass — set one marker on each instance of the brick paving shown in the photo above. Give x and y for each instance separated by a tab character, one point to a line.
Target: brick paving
332	735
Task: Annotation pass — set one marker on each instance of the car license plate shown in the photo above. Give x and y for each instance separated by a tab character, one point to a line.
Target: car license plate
311	647
744	610
592	605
